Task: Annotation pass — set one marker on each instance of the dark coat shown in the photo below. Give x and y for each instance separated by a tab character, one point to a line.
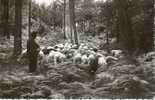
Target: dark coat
32	48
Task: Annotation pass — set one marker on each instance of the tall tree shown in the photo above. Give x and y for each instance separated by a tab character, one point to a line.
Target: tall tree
5	17
18	30
30	17
0	17
54	16
70	29
64	19
72	21
142	24
125	28
147	41
67	21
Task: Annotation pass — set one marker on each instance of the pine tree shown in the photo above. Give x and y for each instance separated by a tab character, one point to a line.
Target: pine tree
18	32
70	27
126	34
5	17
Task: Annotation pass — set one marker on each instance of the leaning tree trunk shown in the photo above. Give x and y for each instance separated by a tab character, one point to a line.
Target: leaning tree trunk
18	31
126	34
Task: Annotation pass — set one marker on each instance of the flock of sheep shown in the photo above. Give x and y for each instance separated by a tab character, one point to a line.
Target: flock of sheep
82	54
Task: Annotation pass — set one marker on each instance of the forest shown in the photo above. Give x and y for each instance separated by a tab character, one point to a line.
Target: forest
83	49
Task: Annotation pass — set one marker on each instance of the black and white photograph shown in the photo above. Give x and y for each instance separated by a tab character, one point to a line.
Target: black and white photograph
77	49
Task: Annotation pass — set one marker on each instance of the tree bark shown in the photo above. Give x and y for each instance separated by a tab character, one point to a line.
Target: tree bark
54	17
126	34
67	22
64	19
5	18
72	22
29	17
18	32
147	41
70	28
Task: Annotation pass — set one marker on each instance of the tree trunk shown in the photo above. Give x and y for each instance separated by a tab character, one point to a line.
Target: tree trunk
126	34
70	28
1	11
29	17
147	41
64	19
18	32
67	22
117	32
54	17
5	18
72	21
154	25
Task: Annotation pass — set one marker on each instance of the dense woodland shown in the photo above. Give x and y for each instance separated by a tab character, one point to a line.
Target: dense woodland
121	32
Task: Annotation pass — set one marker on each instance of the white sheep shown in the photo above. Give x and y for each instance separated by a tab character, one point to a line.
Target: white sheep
116	53
58	56
55	56
60	45
23	55
102	61
41	53
50	57
43	59
50	47
81	46
91	58
77	58
84	59
67	46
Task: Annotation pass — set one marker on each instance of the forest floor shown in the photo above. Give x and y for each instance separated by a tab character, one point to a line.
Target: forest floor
122	79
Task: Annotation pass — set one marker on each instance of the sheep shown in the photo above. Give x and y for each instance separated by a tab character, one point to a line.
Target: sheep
69	53
74	46
91	58
50	48
60	45
85	47
93	63
41	54
51	56
77	58
23	55
84	59
101	59
91	52
67	46
55	56
116	53
81	46
58	56
43	59
111	58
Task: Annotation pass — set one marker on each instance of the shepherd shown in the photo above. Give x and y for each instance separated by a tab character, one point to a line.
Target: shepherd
32	49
